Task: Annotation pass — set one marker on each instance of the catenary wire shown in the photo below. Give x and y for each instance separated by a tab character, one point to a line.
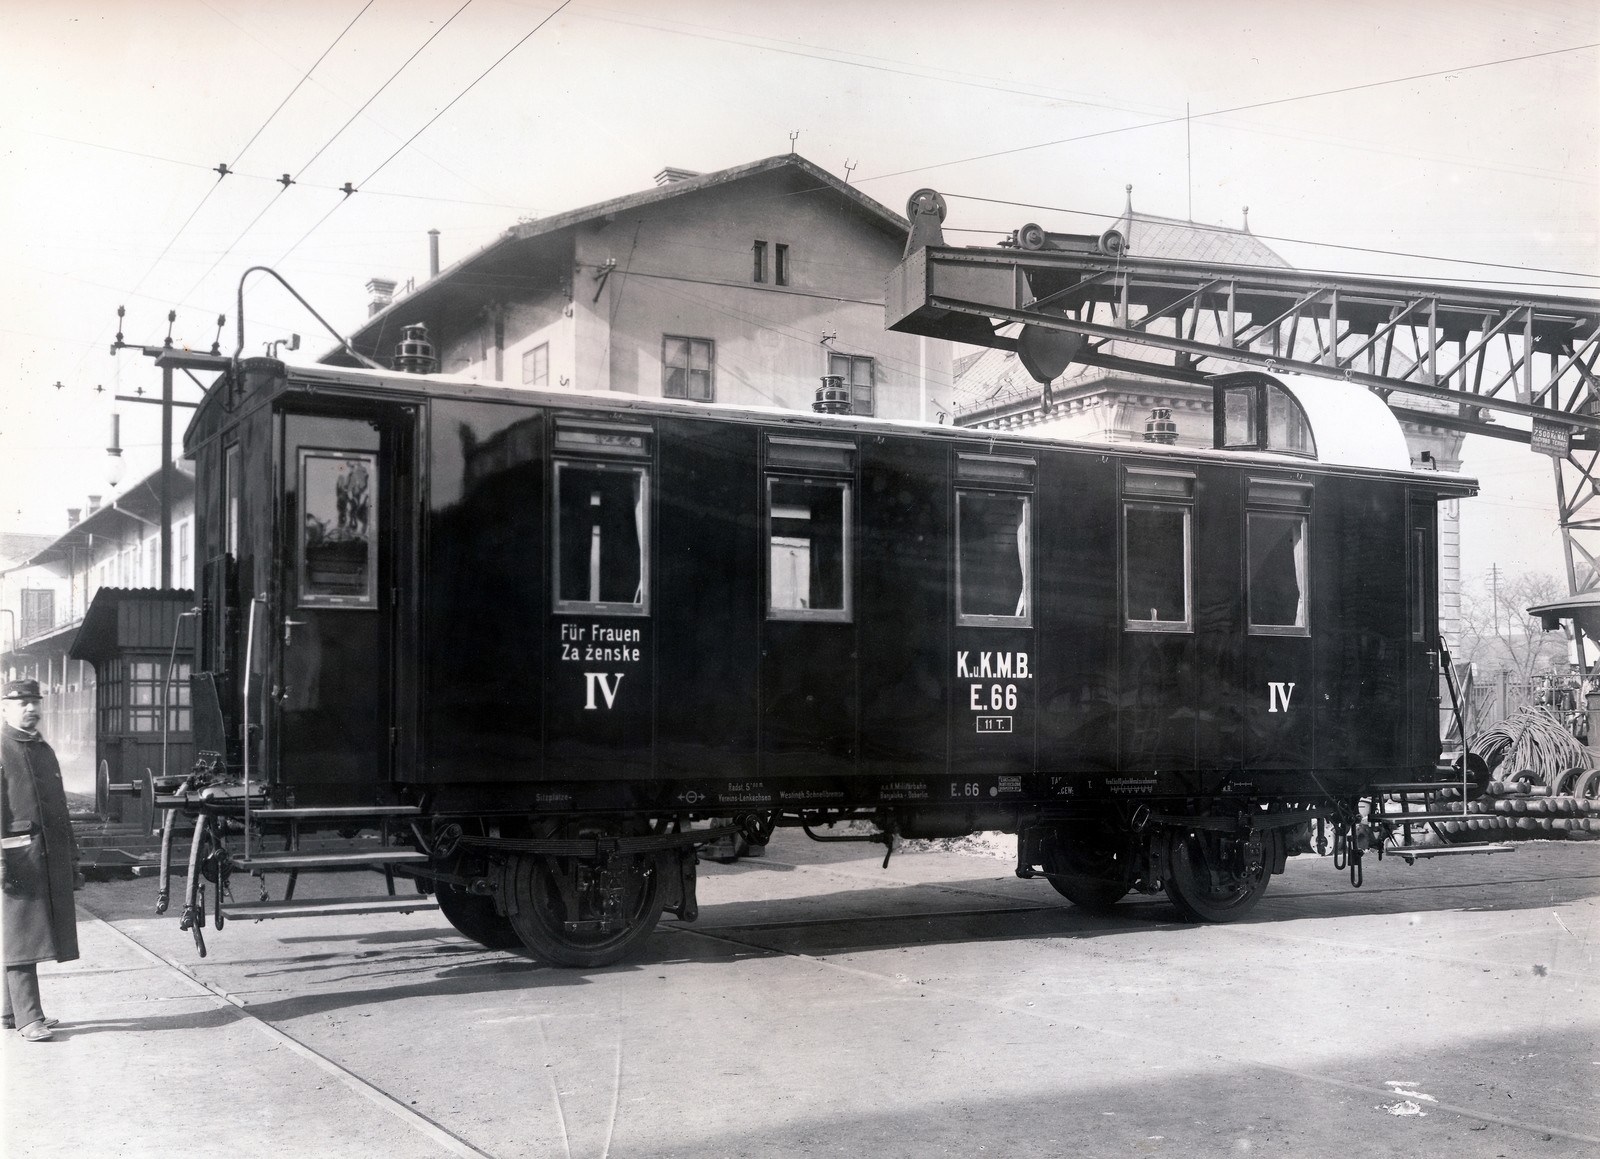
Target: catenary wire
1278	237
407	142
381	87
1233	109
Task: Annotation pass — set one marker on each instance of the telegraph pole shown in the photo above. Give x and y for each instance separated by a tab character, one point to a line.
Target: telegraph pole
168	357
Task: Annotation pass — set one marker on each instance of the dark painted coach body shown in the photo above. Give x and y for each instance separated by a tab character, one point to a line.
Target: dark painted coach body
539	618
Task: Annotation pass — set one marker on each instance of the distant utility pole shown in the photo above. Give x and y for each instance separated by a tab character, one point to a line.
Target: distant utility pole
1494	587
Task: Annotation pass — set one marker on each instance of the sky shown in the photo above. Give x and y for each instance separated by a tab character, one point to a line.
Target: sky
1445	140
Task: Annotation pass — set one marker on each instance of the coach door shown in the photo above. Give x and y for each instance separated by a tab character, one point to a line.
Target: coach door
342	624
599	647
1422	624
996	657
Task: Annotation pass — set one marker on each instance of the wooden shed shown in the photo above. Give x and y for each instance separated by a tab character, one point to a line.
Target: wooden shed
141	643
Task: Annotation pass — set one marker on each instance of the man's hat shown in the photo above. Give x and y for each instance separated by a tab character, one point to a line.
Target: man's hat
21	690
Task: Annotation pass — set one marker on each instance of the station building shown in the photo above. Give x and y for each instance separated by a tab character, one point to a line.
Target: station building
743	286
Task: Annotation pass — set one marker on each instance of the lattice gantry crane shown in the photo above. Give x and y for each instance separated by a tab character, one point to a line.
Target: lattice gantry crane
1079	298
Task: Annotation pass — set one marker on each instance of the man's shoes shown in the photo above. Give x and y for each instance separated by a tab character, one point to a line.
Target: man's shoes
11	1025
37	1031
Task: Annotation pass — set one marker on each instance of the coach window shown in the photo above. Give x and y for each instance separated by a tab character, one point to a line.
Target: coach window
1254	413
994	559
230	500
602	517
1157	550
1276	522
1419	579
809	529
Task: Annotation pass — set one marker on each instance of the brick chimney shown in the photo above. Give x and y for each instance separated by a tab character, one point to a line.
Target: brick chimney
382	291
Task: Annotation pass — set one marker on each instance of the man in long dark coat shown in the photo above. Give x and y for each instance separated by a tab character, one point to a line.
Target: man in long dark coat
41	860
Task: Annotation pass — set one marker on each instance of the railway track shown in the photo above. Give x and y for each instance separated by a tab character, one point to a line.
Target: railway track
864	968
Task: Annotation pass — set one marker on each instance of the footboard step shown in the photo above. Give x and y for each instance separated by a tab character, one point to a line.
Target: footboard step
289	862
314	907
1447	850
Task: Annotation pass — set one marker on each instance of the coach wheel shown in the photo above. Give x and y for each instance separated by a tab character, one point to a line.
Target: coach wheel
475	917
579	911
1083	871
1212	877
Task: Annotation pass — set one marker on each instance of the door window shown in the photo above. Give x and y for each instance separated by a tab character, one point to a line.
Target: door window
338	559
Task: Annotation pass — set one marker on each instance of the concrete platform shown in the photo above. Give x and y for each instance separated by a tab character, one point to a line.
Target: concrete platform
823	1005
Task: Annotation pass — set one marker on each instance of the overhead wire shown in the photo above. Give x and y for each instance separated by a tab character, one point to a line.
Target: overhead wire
1232	109
248	176
246	147
1279	237
407	142
379	90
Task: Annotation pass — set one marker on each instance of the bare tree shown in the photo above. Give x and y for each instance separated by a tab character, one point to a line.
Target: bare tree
1498	633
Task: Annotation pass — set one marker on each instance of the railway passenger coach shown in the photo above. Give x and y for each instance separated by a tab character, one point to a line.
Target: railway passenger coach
549	642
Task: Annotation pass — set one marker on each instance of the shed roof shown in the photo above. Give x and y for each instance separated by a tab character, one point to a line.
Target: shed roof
146	619
139	505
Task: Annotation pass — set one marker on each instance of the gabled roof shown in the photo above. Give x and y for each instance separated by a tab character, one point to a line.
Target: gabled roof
791	164
1150	236
892	221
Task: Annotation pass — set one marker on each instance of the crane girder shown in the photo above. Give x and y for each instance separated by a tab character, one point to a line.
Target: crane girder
1486	350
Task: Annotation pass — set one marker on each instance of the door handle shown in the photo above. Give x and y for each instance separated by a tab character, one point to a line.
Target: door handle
288	629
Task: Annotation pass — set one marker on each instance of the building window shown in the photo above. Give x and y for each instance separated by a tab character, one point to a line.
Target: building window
808	549
858	374
758	253
780	265
148	687
184	578
1157	552
687	368
38	611
602	553
536	365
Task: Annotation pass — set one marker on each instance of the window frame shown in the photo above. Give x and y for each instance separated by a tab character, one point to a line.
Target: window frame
1282	498
325	601
1417	596
1153	500
758	254
231	459
986	620
601	607
850	361
530	374
135	712
711	366
780	264
1261	386
846	484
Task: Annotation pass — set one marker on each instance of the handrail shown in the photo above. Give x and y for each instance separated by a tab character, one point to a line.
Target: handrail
166	686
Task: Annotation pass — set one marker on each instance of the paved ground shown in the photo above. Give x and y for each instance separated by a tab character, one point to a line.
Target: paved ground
825	1006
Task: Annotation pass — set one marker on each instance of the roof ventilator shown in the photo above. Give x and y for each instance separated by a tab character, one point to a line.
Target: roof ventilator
414	353
833	397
